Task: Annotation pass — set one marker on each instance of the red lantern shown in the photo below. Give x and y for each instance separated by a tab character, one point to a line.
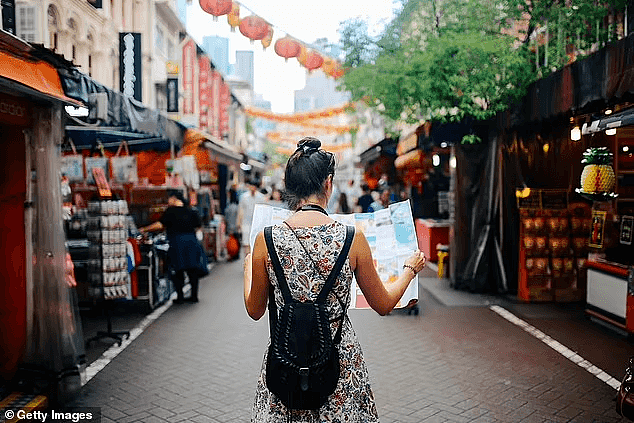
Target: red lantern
314	60
254	27
266	41
216	7
233	18
287	47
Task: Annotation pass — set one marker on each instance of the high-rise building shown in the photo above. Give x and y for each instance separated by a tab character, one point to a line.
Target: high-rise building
218	49
244	66
182	10
319	92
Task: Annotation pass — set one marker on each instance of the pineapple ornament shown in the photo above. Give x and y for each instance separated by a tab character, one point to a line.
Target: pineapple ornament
597	178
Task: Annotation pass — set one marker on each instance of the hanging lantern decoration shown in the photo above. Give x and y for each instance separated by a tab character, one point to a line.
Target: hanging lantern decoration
597	178
303	54
338	71
254	27
216	7
314	61
266	41
233	17
287	47
328	66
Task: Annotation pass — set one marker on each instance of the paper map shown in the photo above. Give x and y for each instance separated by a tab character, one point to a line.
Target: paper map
390	233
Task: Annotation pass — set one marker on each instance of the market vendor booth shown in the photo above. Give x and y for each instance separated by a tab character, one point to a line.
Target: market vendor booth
40	333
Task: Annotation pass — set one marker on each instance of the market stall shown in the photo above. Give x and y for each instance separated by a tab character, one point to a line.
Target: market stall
40	332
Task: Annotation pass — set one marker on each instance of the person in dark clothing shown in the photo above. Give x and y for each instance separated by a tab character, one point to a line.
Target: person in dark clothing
365	200
185	253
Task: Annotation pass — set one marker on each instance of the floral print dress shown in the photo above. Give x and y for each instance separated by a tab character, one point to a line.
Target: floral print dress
353	400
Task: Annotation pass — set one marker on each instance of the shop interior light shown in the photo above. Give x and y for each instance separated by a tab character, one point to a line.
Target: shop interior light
626	148
608	112
452	162
443	144
76	111
575	133
435	160
610	131
546	147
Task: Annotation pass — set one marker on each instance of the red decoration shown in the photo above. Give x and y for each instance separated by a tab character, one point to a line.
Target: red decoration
266	41
216	7
314	60
287	47
233	18
254	27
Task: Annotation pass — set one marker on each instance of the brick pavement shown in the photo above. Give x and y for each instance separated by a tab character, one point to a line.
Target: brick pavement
200	363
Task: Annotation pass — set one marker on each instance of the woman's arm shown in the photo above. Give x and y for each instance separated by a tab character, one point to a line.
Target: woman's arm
256	279
382	298
154	227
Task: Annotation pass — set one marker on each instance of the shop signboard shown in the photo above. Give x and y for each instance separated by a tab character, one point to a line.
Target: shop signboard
214	127
189	61
204	91
14	111
130	76
627	225
8	15
598	226
172	95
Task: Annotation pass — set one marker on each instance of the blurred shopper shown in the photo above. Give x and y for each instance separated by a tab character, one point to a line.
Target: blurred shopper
246	206
365	199
308	244
275	199
233	230
383	201
343	207
185	254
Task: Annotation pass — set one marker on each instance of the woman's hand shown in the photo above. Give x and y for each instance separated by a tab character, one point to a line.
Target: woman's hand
416	262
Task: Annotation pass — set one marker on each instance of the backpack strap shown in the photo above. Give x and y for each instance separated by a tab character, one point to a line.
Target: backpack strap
277	267
343	255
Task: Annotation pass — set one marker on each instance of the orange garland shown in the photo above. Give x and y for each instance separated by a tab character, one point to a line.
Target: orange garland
299	117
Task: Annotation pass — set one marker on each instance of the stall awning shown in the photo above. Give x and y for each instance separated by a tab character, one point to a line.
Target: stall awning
32	77
624	118
387	147
413	159
86	138
221	152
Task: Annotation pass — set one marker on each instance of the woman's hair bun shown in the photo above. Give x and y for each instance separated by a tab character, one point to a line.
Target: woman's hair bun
309	144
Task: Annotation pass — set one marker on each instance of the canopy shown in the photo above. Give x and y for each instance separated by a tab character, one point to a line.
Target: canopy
122	112
86	138
28	75
221	151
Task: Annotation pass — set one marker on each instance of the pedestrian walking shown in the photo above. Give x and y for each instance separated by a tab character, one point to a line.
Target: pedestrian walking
382	203
185	254
308	244
233	230
365	200
246	206
342	206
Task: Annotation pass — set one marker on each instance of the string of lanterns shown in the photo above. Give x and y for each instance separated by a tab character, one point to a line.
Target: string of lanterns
257	29
299	118
333	148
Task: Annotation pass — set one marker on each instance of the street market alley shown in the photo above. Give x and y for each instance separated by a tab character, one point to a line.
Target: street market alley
466	363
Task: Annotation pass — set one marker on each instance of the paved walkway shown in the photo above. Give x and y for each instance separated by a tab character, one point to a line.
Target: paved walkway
200	362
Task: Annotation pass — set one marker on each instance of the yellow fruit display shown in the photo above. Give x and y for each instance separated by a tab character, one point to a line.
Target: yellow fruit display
597	178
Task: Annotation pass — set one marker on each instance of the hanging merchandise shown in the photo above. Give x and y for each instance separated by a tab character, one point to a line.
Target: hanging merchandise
233	18
597	178
266	41
73	165
216	7
95	162
287	47
254	27
124	167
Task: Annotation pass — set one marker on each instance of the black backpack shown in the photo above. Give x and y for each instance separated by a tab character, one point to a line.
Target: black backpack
302	368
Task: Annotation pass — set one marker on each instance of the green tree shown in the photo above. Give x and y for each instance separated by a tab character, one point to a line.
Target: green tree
447	59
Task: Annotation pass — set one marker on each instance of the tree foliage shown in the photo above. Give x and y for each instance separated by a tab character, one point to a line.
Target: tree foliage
447	59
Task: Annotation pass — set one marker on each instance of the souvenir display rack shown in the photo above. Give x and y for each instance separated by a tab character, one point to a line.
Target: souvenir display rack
108	265
554	235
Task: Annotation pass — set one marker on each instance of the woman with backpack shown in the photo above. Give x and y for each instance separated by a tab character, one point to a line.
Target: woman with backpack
291	263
